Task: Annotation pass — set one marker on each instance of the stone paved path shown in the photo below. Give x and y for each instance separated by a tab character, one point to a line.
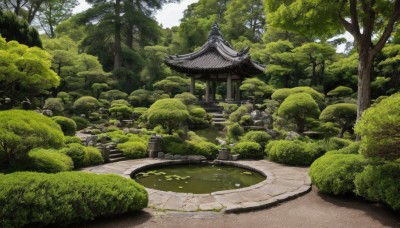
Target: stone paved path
282	183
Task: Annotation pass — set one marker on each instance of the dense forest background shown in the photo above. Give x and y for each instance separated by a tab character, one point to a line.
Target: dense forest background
118	46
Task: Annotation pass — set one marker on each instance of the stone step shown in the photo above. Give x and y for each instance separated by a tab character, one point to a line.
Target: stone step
116	155
218	119
216	114
117	159
114	151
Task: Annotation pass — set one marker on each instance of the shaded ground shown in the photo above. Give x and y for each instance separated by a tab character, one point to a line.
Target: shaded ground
311	210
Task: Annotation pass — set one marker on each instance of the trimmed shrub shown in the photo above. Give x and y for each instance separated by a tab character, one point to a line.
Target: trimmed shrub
64	198
77	152
54	104
234	131
298	107
174	145
207	149
92	156
187	98
235	116
68	126
228	108
121	111
380	183
21	131
248	150
49	161
335	173
198	117
72	139
340	91
246	120
81	123
133	149
86	104
260	137
281	94
113	95
335	143
292	152
379	128
343	114
353	148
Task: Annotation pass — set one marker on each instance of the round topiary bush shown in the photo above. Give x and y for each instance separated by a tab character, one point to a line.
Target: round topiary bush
64	198
248	150
86	104
92	156
291	152
260	137
379	127
81	123
54	104
335	173
133	149
343	114
380	183
21	131
72	139
281	94
234	131
187	98
49	161
68	126
207	149
340	91
77	152
353	148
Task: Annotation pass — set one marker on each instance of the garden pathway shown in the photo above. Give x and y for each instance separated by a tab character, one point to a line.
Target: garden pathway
282	183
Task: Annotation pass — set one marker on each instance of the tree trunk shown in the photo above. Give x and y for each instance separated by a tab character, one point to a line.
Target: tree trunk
365	67
314	73
117	36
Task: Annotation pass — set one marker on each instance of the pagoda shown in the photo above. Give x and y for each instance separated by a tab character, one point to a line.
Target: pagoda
216	61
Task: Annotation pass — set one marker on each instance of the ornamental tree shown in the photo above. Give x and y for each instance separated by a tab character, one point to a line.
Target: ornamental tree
298	107
379	128
169	113
255	88
21	131
86	104
343	114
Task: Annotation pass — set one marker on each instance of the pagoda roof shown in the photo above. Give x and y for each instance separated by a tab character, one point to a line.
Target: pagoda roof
215	56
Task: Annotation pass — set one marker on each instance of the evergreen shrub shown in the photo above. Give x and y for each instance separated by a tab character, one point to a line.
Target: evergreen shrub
133	149
49	161
248	150
31	199
335	173
68	126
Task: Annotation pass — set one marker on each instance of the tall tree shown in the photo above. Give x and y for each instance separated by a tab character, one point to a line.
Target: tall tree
371	23
52	12
26	9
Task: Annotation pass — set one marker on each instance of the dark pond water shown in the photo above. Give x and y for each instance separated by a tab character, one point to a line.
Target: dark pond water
198	179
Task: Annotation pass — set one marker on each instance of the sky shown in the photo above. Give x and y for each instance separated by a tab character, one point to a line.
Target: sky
168	16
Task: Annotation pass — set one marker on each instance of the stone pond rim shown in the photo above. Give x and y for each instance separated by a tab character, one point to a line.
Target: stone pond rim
283	183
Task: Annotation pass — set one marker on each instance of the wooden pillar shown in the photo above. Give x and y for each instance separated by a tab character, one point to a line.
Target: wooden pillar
207	91
237	90
229	87
192	85
214	90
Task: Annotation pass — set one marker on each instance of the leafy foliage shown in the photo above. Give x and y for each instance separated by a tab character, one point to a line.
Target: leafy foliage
76	152
248	150
92	156
343	114
49	161
292	152
86	104
133	149
260	137
335	173
281	94
379	129
64	198
68	126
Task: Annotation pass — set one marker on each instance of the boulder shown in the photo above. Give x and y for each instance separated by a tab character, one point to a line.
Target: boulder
292	136
255	115
91	140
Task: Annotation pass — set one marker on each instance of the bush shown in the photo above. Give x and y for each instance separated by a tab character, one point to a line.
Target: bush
49	161
228	108
81	123
292	152
21	131
353	148
206	149
379	128
380	183
77	152
335	173
343	114
86	104
335	143
246	120
235	116
113	95
248	150
68	126
121	111
298	107
72	139
198	117
133	149
340	91
92	156
281	94
234	131
260	137
187	98
174	145
54	104
64	198
141	97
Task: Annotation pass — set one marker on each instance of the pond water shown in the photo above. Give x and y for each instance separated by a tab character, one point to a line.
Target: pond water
211	134
198	179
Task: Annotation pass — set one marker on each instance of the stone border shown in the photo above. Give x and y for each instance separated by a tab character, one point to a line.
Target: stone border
282	183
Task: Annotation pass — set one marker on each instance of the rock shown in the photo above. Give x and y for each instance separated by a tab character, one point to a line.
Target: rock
126	130
258	123
47	112
267	120
274	134
161	155
255	115
221	141
292	136
83	116
177	157
169	156
91	140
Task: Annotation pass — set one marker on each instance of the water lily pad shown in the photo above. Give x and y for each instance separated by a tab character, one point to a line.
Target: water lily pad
247	173
180	187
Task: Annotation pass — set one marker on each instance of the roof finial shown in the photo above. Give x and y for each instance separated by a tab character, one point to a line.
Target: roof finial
215	31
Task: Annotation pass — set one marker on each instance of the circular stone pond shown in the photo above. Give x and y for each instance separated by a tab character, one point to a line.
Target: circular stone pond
197	179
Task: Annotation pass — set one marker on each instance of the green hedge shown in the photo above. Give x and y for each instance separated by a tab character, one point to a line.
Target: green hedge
353	148
248	150
133	149
37	199
380	183
81	123
293	152
207	149
68	126
335	173
260	137
77	152
92	156
49	161
72	139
